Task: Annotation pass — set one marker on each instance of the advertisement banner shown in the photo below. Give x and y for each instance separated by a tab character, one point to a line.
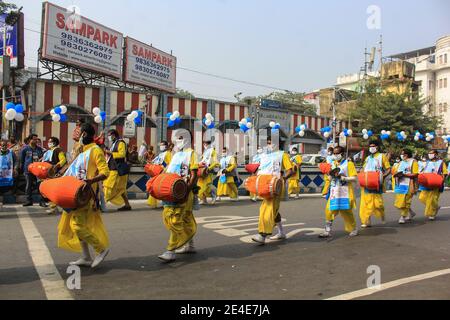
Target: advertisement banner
14	41
75	40
150	67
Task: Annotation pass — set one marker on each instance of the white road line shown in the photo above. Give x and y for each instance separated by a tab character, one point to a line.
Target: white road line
390	285
54	286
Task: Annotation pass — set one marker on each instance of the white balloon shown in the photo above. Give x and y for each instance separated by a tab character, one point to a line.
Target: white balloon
342	134
244	121
176	114
403	133
9	115
365	131
272	124
350	132
96	111
56	117
63	109
383	132
173	118
302	133
249	125
208	122
130	118
209	116
135	114
366	137
98	119
326	135
302	127
388	133
52	112
416	138
428	139
19	117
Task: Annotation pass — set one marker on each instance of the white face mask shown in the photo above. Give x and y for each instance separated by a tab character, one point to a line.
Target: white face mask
260	151
293	153
110	139
224	155
51	145
162	148
404	157
431	156
338	157
179	144
373	150
330	153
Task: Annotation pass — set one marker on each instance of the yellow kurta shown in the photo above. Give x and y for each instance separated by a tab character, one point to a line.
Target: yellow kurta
404	201
115	186
372	203
152	202
205	183
179	219
294	182
431	198
229	189
86	223
347	215
394	172
270	207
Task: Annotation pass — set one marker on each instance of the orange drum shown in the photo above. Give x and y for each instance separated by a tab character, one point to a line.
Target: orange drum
153	170
42	170
325	168
264	186
252	168
431	180
67	192
168	187
370	180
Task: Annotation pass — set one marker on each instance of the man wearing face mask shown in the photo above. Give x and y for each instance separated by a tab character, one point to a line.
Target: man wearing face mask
329	159
9	168
395	171
162	159
278	164
83	227
227	185
115	187
429	197
372	201
210	163
294	181
405	185
179	218
256	159
56	157
342	199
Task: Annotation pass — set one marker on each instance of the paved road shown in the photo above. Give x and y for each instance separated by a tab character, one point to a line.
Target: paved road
227	265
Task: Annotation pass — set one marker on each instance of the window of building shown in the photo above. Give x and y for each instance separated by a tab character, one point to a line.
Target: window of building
430	85
445	83
440	60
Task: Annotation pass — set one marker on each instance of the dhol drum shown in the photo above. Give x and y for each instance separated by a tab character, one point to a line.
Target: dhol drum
153	170
252	168
168	187
370	180
67	192
42	170
325	168
431	180
264	186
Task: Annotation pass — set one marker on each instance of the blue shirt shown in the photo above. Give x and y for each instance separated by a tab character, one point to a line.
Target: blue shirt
28	155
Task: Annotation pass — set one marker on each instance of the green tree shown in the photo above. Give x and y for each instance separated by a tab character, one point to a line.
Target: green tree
184	94
379	110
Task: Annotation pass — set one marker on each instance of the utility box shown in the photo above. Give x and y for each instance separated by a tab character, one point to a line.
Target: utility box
398	70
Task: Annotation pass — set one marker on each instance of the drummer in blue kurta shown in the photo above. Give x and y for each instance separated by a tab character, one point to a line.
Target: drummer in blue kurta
341	199
372	201
227	185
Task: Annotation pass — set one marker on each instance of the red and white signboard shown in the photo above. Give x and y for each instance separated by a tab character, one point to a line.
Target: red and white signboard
150	67
75	40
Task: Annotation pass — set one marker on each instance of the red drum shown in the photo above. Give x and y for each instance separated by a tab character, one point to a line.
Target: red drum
431	180
325	168
264	186
153	170
370	180
42	170
67	192
168	187
252	168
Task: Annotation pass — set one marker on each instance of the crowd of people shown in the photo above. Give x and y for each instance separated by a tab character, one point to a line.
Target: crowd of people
106	170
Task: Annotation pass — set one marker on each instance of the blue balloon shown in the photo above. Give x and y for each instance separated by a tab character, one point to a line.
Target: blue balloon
212	126
58	110
171	123
10	105
298	130
370	133
177	120
249	120
169	115
19	108
277	127
103	114
137	121
63	118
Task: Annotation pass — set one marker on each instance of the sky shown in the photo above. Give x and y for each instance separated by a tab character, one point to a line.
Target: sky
293	45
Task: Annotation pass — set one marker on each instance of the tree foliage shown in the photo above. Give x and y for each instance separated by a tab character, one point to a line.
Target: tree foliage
184	94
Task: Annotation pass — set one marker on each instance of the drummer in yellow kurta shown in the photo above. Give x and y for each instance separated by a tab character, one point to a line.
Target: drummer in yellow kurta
430	198
405	176
341	199
205	183
162	159
272	163
179	218
83	227
294	181
372	201
227	185
115	187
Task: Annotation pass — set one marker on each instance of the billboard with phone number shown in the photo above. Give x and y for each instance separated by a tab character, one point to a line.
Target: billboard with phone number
14	41
150	67
75	40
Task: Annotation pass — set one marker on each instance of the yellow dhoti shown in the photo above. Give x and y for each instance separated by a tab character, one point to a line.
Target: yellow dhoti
403	202
152	202
268	214
326	187
84	224
180	222
228	189
294	186
114	187
371	204
431	201
347	215
205	186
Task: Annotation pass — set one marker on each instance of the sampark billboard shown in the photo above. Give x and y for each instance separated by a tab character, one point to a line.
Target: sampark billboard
74	40
147	66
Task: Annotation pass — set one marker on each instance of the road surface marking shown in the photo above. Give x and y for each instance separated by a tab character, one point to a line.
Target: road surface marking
54	286
390	285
